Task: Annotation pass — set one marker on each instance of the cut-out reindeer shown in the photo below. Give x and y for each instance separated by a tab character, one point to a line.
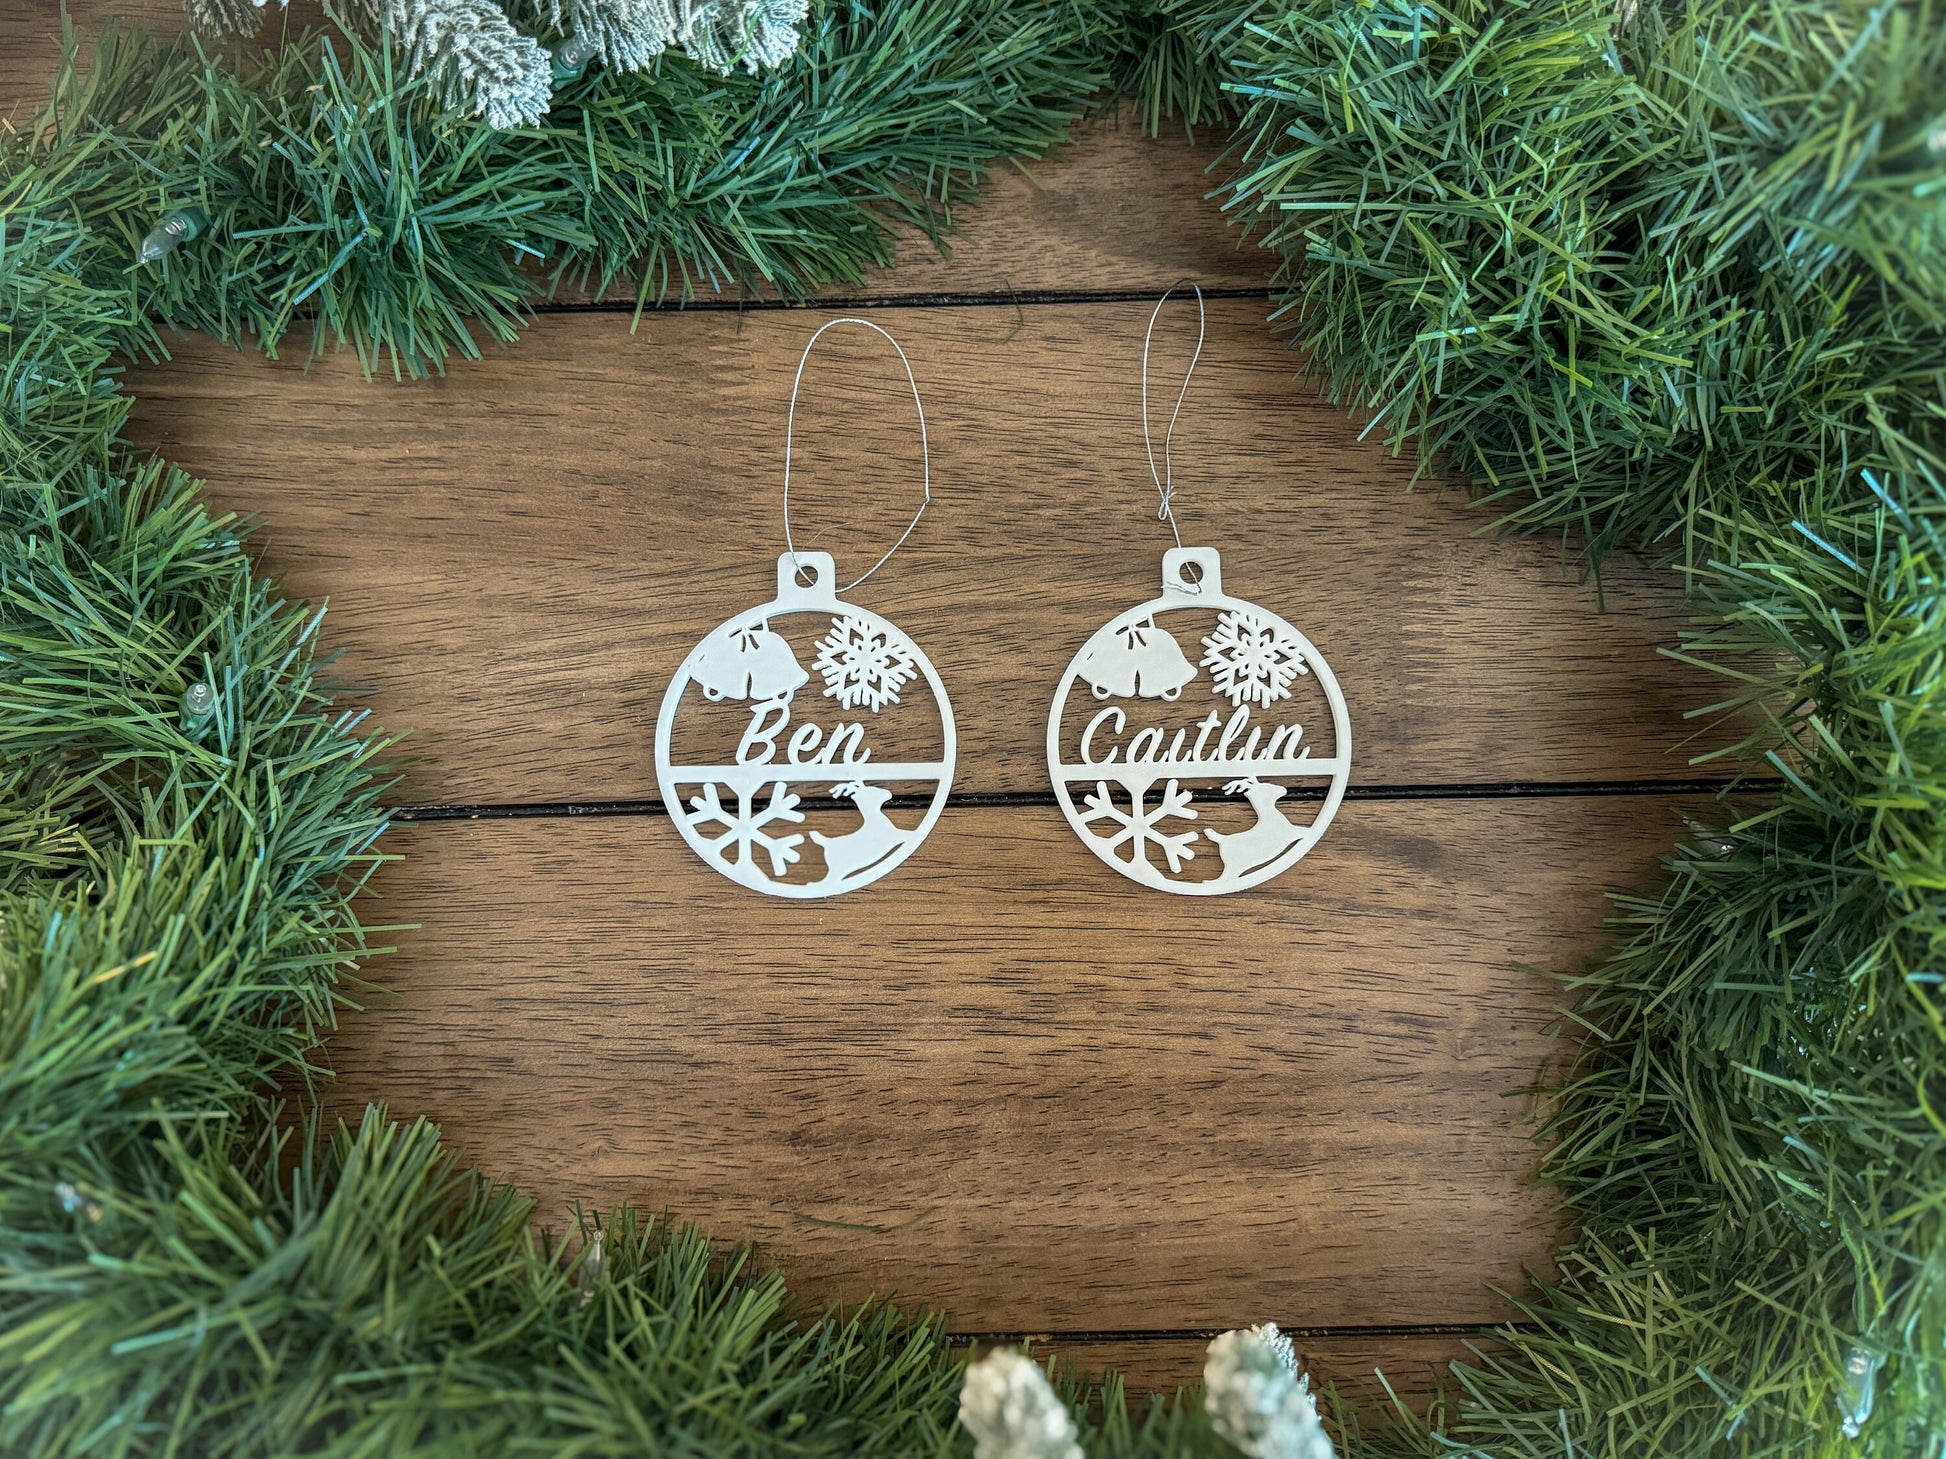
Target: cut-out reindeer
871	843
1270	838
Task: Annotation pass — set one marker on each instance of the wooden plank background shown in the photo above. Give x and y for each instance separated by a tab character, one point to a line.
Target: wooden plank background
1004	1080
520	558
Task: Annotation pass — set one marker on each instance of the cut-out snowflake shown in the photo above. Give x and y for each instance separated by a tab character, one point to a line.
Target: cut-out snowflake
1138	822
861	665
1252	660
747	827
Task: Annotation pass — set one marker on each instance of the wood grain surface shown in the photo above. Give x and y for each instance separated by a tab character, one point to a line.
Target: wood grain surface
1003	1080
520	554
1006	1081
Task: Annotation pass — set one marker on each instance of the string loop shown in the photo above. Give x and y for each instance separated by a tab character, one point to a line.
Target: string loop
925	449
1165	479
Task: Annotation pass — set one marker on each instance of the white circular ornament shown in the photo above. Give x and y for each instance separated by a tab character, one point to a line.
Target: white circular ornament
753	750
1159	723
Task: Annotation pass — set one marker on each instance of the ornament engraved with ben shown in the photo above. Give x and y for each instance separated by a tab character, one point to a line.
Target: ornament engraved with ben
811	782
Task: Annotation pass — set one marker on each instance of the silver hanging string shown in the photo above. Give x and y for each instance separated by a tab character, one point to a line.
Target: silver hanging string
1165	479
925	449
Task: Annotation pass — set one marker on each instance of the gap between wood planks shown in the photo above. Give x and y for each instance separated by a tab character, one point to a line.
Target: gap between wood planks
989	299
1506	790
1160	1334
1151	1360
1413	1364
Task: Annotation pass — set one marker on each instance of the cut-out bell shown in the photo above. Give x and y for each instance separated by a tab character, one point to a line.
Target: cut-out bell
1140	659
748	662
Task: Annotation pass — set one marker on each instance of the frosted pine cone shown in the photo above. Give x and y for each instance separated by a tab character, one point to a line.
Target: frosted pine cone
1256	1398
1011	1411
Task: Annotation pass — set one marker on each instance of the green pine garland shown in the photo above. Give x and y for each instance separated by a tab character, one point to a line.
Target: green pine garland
1683	281
1670	273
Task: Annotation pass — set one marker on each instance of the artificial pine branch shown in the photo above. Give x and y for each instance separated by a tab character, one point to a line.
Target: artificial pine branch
1575	257
627	34
760	33
403	229
219	18
718	34
482	64
1171	70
